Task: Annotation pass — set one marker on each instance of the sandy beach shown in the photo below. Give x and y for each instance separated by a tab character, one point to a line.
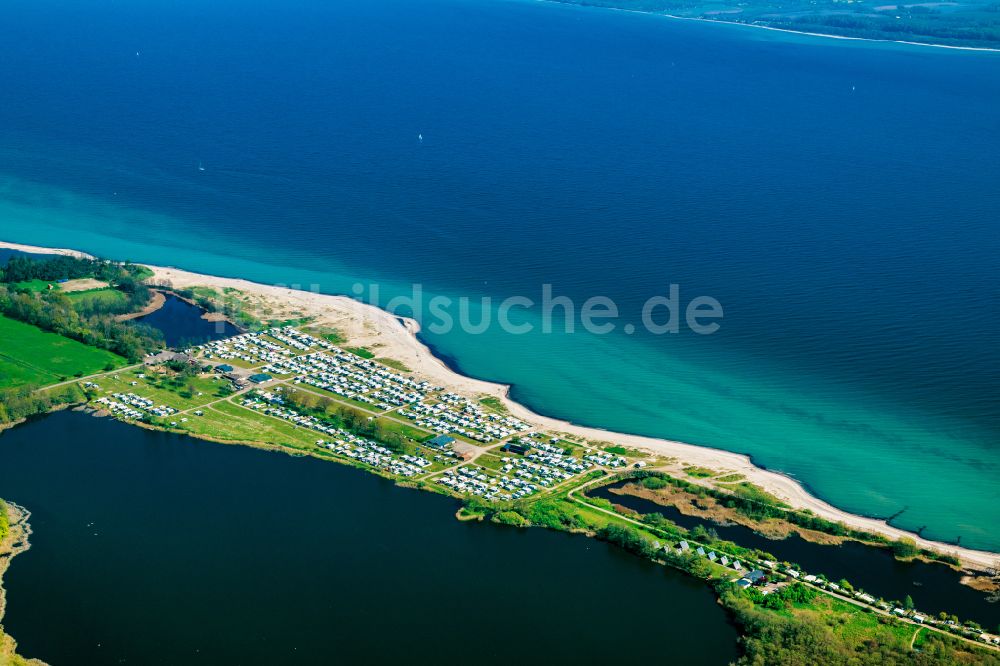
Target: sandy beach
395	338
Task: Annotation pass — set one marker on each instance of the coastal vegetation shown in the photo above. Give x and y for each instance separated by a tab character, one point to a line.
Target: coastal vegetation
394	364
87	319
51	337
654	483
755	505
975	23
351	419
105	300
790	623
236	306
748	505
228	304
797	625
794	623
19	403
33	357
493	403
55	312
330	335
65	267
14	532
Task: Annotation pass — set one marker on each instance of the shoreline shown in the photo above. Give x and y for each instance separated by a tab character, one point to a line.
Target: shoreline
700	19
156	302
398	338
17	541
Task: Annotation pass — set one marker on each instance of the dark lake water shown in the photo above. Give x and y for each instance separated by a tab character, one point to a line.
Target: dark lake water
934	587
838	198
182	325
160	549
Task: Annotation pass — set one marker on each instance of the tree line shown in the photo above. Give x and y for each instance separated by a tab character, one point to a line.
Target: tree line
24	401
54	312
25	269
339	415
89	321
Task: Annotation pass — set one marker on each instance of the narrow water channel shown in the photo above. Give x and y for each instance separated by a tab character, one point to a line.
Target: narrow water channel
933	587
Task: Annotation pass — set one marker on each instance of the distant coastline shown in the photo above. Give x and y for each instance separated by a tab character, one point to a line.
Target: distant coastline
806	33
823	34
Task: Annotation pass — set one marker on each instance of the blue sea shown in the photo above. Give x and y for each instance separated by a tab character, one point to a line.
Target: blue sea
840	199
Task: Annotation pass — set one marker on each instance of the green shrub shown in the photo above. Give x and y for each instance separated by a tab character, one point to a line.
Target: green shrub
510	518
654	483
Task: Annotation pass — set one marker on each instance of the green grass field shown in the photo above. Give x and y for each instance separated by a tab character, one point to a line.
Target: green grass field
29	355
490	461
34	285
406	430
229	421
107	296
350	402
225	420
158	390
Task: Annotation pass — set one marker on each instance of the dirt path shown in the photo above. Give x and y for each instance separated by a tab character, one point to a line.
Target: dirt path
88	378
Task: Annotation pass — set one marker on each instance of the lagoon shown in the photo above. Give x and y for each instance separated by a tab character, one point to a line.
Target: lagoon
182	324
156	548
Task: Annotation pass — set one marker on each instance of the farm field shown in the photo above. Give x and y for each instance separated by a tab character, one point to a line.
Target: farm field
105	296
29	355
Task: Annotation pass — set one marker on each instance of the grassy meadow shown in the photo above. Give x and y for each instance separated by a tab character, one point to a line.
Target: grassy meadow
31	356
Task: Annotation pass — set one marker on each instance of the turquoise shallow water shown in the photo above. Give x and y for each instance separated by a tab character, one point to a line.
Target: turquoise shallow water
839	199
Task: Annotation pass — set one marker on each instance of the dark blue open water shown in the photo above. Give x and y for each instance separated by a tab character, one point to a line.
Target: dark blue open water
839	198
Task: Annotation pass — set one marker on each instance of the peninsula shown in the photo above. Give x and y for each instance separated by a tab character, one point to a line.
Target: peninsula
332	378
